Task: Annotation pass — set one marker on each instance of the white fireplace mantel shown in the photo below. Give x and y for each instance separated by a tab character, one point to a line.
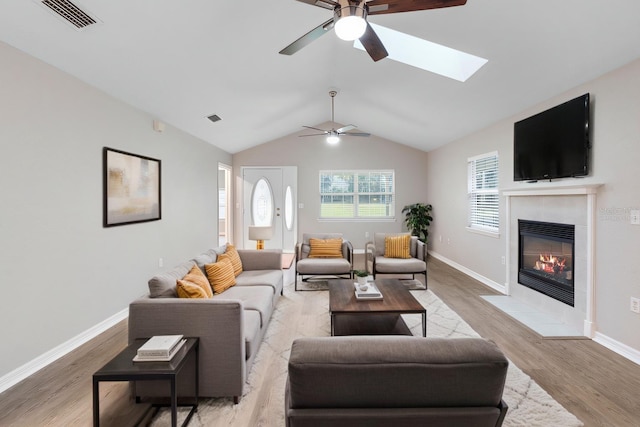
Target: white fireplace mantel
590	192
568	190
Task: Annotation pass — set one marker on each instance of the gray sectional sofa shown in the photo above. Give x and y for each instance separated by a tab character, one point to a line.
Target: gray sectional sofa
364	381
230	325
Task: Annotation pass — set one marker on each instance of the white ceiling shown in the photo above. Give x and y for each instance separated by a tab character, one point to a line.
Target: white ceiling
183	60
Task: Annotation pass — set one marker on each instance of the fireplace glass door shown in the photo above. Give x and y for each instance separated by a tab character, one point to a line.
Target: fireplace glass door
546	258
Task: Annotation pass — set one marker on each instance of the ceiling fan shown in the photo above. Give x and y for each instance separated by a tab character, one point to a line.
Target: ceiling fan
350	21
333	135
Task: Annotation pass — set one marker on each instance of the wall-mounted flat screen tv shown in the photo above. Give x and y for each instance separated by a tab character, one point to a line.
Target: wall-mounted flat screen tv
554	143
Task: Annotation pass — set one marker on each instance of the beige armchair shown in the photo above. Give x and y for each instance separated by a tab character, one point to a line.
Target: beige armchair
339	264
377	261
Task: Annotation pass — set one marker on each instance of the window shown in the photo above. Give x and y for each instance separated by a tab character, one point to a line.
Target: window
483	195
367	194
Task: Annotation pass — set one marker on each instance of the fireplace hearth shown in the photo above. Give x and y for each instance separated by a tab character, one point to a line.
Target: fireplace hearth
546	256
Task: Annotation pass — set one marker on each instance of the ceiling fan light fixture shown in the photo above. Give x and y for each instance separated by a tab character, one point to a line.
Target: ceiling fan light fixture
333	139
350	23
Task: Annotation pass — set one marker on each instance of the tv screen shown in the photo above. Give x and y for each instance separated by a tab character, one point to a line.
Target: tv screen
553	143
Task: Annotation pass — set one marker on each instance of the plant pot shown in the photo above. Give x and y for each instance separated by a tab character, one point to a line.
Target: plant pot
361	280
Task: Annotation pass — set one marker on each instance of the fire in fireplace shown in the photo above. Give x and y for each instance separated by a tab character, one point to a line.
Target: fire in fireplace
546	258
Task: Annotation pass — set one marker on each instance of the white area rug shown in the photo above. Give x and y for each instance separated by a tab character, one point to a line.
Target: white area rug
529	404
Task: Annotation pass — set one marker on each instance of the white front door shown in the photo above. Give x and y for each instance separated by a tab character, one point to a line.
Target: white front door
269	199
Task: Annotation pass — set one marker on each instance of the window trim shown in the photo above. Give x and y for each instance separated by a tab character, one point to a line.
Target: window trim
356	193
480	228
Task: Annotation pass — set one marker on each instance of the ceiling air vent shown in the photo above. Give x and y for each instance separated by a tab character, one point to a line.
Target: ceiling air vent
214	118
70	13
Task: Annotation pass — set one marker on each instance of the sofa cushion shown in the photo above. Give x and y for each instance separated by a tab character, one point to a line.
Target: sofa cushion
325	248
251	332
236	262
271	278
204	258
220	275
321	266
164	285
395	372
398	265
397	246
257	298
186	289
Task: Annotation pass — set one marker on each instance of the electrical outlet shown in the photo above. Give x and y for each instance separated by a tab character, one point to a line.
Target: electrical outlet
440	238
503	260
635	305
160	262
366	234
634	216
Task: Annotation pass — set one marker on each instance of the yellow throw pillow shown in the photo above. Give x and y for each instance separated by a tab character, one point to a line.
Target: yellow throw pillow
187	289
220	275
195	276
325	248
236	262
397	246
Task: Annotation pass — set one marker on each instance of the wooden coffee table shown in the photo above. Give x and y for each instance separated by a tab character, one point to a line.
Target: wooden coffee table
350	316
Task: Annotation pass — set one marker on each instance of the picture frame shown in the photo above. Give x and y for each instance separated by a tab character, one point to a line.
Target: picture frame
131	188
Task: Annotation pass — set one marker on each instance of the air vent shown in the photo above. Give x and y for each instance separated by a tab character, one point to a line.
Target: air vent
214	118
70	12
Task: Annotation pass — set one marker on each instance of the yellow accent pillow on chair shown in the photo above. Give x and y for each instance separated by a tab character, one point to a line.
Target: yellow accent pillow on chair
325	248
397	246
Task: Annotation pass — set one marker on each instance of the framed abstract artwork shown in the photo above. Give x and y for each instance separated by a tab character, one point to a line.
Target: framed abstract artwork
131	188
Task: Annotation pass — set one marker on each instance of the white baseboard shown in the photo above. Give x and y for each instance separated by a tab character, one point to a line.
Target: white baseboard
484	280
618	347
30	368
613	345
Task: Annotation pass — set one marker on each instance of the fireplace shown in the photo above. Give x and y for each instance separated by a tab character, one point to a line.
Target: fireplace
546	256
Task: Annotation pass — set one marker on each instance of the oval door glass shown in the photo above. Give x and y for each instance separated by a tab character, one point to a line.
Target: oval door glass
262	203
288	208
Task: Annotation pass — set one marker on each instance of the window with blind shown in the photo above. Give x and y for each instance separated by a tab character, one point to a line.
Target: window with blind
484	201
365	194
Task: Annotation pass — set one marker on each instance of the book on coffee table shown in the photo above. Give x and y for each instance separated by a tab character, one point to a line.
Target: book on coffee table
159	348
371	293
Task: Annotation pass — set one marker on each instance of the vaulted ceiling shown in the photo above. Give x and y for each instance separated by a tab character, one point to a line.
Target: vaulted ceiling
182	61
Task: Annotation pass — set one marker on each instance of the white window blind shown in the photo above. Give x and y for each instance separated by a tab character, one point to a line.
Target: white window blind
364	194
484	202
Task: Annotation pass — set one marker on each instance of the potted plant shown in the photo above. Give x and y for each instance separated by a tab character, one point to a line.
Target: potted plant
361	276
418	218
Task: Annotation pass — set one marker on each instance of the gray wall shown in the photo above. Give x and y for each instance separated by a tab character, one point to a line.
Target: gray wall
312	154
61	272
615	158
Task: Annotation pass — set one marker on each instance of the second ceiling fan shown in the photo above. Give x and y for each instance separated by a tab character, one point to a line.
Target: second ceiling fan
333	135
350	21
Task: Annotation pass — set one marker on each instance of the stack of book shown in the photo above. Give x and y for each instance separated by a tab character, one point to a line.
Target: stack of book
371	293
160	348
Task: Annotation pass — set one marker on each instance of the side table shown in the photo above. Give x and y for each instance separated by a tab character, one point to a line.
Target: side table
123	368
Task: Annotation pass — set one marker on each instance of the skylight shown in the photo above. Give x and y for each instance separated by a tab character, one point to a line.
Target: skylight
427	55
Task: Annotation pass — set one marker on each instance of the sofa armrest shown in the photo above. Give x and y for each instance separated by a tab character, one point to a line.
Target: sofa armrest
265	259
218	323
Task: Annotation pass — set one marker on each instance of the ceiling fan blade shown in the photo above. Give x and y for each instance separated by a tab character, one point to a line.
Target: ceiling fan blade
355	134
345	128
311	127
373	45
326	4
379	7
313	134
307	38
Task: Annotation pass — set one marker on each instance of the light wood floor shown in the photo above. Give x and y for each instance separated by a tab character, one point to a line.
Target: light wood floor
600	387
